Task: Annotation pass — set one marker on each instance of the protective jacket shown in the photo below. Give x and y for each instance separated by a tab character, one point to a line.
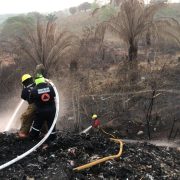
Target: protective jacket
25	94
96	123
43	96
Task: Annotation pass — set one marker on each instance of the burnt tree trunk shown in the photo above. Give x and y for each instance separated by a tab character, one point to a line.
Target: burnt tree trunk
133	64
132	52
148	39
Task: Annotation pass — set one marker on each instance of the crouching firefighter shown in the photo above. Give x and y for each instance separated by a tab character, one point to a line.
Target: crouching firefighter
95	123
43	96
28	115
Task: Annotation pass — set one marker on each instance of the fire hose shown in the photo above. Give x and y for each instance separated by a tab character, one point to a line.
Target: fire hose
40	142
105	158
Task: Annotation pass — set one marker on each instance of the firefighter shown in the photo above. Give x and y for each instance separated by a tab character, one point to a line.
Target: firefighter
28	115
95	121
40	69
43	96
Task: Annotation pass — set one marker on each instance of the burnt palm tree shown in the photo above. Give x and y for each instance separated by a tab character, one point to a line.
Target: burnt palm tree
45	43
136	20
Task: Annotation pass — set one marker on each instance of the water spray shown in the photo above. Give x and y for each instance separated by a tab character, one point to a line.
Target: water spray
14	115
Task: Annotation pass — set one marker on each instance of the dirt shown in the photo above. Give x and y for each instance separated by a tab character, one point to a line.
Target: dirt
138	161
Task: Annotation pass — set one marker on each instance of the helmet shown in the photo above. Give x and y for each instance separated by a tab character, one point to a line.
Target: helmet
94	116
25	77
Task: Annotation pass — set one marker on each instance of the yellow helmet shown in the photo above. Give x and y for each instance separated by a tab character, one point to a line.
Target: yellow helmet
25	77
94	116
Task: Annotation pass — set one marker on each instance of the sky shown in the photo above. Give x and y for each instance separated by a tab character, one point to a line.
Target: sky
42	6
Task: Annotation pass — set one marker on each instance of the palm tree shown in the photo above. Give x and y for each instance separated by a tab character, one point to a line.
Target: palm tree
136	20
45	43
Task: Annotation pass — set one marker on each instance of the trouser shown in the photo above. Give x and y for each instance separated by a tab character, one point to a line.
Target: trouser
27	119
42	115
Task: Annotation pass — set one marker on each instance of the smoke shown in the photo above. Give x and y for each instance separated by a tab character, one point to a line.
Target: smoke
62	100
165	143
62	106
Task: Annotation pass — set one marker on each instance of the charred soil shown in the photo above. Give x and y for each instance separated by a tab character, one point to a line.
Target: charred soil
138	161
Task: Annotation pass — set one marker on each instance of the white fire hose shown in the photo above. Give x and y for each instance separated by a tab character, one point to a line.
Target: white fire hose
86	130
42	141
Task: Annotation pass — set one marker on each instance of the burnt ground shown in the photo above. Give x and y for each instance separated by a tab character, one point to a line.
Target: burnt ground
138	161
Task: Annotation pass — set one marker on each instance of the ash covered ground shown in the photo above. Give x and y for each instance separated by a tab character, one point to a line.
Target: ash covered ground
138	161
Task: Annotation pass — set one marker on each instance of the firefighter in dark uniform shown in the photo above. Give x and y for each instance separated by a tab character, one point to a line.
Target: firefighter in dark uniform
43	96
28	115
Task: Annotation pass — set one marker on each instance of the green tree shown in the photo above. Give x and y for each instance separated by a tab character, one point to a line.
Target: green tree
95	5
51	17
84	6
14	25
107	12
72	10
158	1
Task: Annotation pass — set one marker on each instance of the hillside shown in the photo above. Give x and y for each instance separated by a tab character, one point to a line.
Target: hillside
75	23
79	20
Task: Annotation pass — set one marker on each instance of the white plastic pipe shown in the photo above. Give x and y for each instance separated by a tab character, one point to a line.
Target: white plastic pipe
14	115
42	141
